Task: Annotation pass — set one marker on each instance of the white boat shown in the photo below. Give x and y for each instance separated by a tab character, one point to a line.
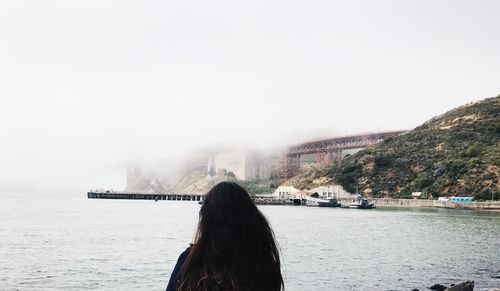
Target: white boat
311	201
361	203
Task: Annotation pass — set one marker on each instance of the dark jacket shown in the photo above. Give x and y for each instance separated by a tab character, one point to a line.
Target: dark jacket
172	283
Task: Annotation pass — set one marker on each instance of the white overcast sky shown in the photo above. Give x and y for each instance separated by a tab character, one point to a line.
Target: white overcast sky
87	86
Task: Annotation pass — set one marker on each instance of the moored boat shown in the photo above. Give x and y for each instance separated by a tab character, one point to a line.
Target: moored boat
311	201
360	203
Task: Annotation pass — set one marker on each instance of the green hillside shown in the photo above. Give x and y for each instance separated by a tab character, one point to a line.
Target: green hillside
457	153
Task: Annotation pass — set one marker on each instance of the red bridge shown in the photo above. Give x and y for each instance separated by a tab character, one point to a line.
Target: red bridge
328	150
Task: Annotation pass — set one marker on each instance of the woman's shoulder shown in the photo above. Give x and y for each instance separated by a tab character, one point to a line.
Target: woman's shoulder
186	252
175	273
183	256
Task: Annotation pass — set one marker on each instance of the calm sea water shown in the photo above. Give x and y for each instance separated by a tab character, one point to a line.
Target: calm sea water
73	243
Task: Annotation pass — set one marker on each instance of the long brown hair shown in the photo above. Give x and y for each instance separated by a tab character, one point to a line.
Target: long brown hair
234	248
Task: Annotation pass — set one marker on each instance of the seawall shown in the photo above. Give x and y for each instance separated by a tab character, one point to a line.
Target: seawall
487	205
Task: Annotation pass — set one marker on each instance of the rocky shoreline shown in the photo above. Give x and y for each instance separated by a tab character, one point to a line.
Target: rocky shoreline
464	286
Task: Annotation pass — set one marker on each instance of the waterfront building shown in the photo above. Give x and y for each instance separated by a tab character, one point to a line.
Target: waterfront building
331	191
416	195
286	192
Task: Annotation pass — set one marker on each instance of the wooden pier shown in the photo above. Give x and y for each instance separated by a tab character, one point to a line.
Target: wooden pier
144	196
259	200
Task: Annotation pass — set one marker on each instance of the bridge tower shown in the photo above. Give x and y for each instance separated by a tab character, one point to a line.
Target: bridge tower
328	157
288	166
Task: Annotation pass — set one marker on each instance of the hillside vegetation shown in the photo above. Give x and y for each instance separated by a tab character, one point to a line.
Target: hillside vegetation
457	153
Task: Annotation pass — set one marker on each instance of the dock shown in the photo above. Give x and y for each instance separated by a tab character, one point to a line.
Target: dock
258	199
144	196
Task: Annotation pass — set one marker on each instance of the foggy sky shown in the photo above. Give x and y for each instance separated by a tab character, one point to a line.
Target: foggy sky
87	86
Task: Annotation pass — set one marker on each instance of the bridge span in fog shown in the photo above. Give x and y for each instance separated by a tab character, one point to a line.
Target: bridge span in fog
328	150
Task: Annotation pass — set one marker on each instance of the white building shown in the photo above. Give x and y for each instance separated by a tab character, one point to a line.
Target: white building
286	192
416	195
331	191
